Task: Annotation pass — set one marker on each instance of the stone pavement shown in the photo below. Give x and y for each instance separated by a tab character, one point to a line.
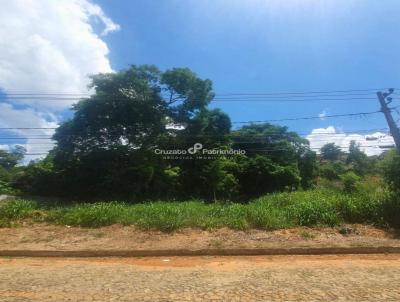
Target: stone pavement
274	278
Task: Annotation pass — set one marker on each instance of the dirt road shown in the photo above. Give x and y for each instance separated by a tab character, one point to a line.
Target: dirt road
273	278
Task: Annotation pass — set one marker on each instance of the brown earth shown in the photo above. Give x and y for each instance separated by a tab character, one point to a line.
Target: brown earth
352	278
117	237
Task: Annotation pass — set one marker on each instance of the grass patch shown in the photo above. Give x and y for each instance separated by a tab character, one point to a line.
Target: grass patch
322	207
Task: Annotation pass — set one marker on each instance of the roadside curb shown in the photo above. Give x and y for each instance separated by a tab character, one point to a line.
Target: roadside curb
202	252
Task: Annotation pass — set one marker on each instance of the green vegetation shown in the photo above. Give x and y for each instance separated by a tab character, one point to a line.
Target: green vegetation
273	211
107	151
8	168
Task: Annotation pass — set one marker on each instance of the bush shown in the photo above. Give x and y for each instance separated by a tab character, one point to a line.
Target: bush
5	188
332	170
272	211
350	180
17	209
391	211
391	169
89	215
315	213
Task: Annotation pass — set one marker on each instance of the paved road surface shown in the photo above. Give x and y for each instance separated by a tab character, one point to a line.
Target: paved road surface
279	278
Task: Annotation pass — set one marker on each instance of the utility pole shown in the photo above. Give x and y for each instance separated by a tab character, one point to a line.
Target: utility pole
385	100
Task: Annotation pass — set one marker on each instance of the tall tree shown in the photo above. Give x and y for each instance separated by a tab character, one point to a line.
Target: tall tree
109	142
357	158
331	152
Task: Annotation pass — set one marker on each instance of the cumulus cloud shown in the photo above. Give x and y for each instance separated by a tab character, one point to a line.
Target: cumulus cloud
48	46
37	141
371	144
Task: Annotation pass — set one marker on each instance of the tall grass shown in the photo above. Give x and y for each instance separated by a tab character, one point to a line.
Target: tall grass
325	207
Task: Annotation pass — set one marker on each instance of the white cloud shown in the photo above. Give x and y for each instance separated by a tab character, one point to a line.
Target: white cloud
322	115
37	141
95	10
371	144
48	46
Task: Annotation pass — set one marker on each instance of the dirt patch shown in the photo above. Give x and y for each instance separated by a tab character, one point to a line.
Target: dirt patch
219	263
117	237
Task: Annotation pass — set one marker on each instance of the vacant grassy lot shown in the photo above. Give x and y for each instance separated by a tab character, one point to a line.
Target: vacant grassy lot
274	211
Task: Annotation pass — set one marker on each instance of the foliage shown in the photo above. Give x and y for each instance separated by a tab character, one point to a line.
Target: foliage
272	211
8	167
391	169
259	175
9	160
332	170
5	188
357	159
331	152
107	149
349	180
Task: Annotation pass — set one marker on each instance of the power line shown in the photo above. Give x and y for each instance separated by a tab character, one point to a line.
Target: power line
292	100
310	117
243	122
38	92
306	92
231	135
248	99
28	128
259	150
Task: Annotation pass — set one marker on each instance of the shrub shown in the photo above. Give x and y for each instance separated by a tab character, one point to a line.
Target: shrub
315	213
272	211
391	211
5	188
17	209
391	169
349	180
89	215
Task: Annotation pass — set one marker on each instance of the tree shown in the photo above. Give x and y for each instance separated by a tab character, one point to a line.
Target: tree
8	167
106	149
391	169
273	141
349	181
206	177
307	167
357	158
9	160
259	175
331	152
282	158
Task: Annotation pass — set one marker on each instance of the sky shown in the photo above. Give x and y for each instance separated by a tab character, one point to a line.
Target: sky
243	46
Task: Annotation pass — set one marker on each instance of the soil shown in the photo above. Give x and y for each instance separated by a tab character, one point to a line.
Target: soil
367	278
118	237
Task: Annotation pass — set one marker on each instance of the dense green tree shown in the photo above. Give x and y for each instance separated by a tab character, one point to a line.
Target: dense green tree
357	158
205	177
331	152
307	167
391	169
273	141
9	159
332	170
275	158
8	167
260	174
107	148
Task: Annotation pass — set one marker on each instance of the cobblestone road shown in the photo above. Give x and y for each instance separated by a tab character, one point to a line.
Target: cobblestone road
280	278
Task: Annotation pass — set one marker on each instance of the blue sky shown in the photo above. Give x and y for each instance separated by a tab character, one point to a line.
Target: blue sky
260	46
243	46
